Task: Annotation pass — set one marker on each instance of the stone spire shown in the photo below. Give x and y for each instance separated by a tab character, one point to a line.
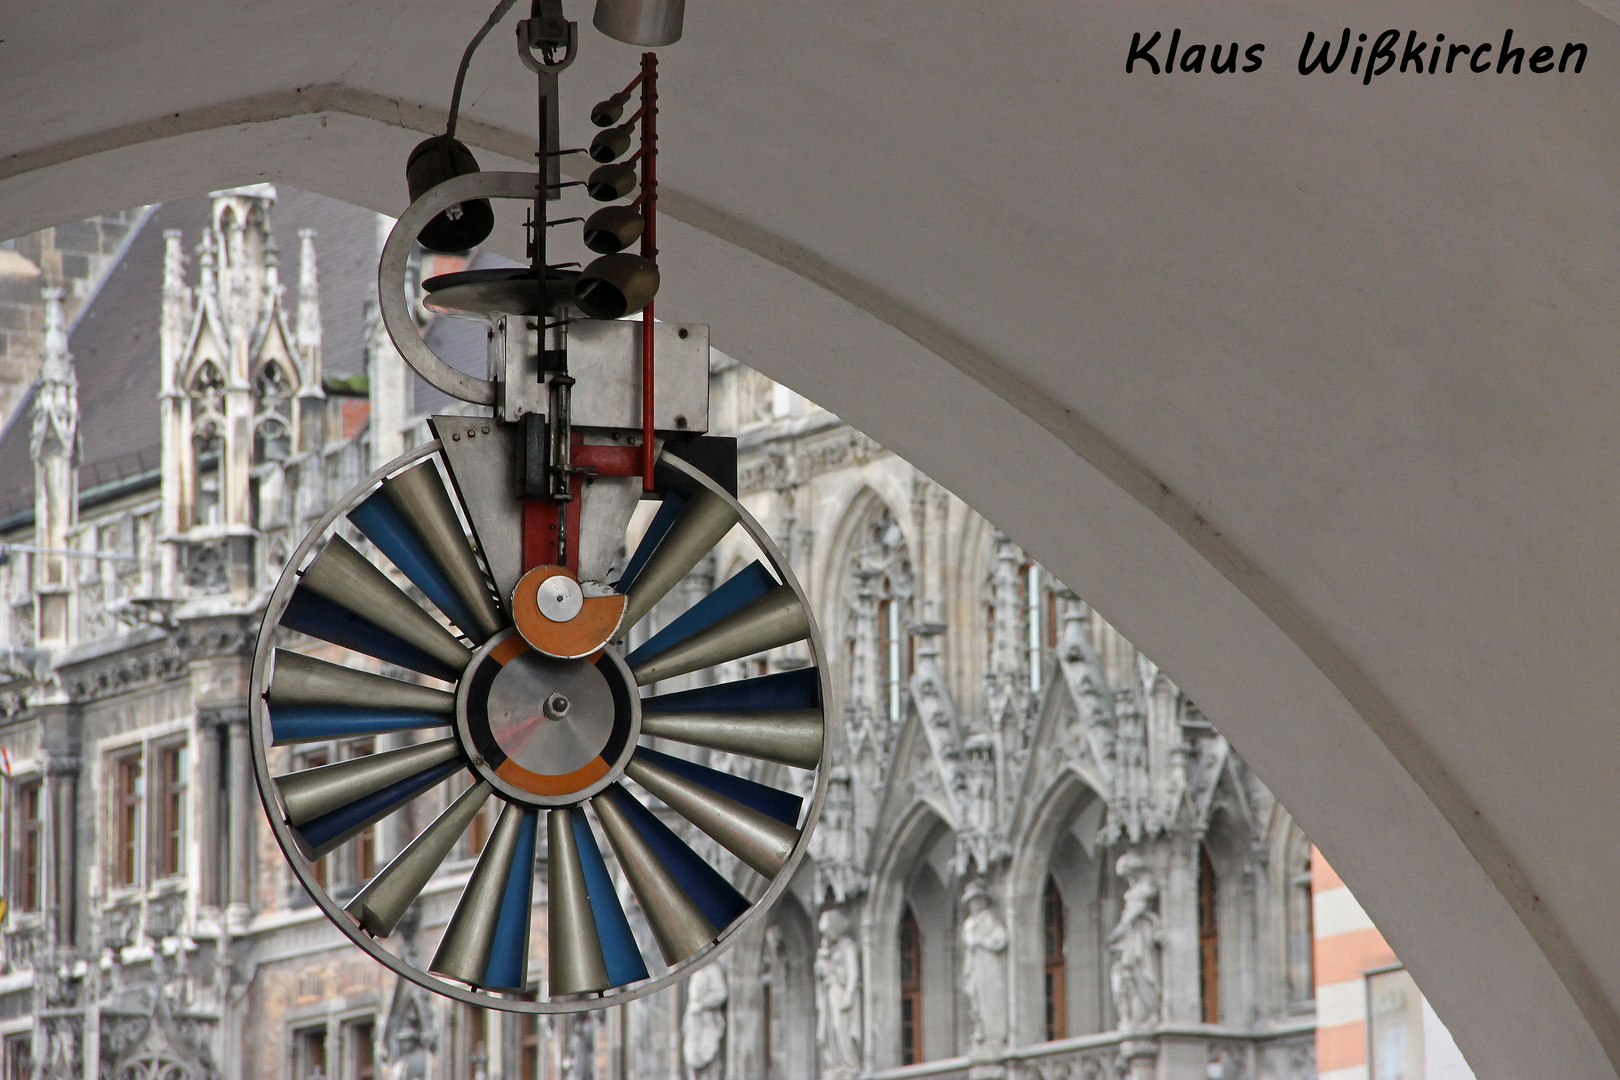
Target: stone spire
273	288
55	450
387	372
311	394
208	273
177	297
309	298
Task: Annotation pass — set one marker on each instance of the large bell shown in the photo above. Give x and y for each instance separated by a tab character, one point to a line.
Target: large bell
615	286
613	228
463	226
648	23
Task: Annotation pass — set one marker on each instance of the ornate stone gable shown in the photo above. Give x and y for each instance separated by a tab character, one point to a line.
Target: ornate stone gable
915	776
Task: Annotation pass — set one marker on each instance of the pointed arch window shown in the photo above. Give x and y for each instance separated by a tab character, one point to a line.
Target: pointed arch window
1301	931
207	445
272	414
1057	968
1209	938
910	989
880	650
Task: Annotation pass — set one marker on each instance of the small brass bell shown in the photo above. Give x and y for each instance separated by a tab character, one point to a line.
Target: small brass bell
613	228
610	144
609	182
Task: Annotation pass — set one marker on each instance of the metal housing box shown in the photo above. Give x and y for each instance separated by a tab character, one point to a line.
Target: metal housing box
604	359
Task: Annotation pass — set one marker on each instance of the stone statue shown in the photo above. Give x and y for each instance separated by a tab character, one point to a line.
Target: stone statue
838	997
984	971
62	1062
704	1025
409	1056
1136	940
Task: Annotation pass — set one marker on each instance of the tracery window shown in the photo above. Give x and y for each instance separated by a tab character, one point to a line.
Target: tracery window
272	414
910	989
1057	968
1209	940
207	443
881	616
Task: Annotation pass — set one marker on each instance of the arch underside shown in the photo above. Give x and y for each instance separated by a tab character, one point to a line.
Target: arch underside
1305	385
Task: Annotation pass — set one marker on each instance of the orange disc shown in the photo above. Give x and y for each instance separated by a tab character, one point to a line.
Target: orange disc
582	627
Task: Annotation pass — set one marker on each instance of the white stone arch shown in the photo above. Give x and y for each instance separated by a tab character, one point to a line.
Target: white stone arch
1060	840
1228	839
924	829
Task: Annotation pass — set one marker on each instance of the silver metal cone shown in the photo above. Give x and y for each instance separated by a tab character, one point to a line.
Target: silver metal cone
678	926
702	523
346	577
386	897
309	794
760	841
788	736
648	23
463	952
418	495
774	619
304	680
576	950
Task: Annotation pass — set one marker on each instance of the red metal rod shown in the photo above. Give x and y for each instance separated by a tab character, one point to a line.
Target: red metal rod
649	248
633	83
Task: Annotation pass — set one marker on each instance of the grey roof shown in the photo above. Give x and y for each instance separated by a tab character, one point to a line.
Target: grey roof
114	341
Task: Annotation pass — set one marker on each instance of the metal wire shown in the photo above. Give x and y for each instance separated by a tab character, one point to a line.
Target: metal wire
466	58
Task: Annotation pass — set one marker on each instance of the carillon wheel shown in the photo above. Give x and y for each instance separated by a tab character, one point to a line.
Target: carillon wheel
526	692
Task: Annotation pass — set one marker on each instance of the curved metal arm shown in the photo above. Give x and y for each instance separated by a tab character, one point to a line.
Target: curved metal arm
396	314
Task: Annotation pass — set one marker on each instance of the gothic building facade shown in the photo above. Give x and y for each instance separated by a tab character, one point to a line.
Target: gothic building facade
1037	857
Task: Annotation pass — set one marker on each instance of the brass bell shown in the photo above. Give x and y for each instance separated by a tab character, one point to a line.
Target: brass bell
463	226
648	23
610	144
609	182
613	228
606	113
615	286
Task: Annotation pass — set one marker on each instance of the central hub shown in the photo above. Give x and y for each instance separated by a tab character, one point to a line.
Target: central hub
546	731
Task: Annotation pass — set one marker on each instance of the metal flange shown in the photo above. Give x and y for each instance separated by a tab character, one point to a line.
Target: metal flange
391	268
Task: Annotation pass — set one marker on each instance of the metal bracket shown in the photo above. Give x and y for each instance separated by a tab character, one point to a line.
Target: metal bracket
396	314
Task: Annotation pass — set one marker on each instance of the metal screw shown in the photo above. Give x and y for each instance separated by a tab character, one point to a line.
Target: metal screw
556	706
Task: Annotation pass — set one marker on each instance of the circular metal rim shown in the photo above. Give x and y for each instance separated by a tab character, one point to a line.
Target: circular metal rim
259	721
528	798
